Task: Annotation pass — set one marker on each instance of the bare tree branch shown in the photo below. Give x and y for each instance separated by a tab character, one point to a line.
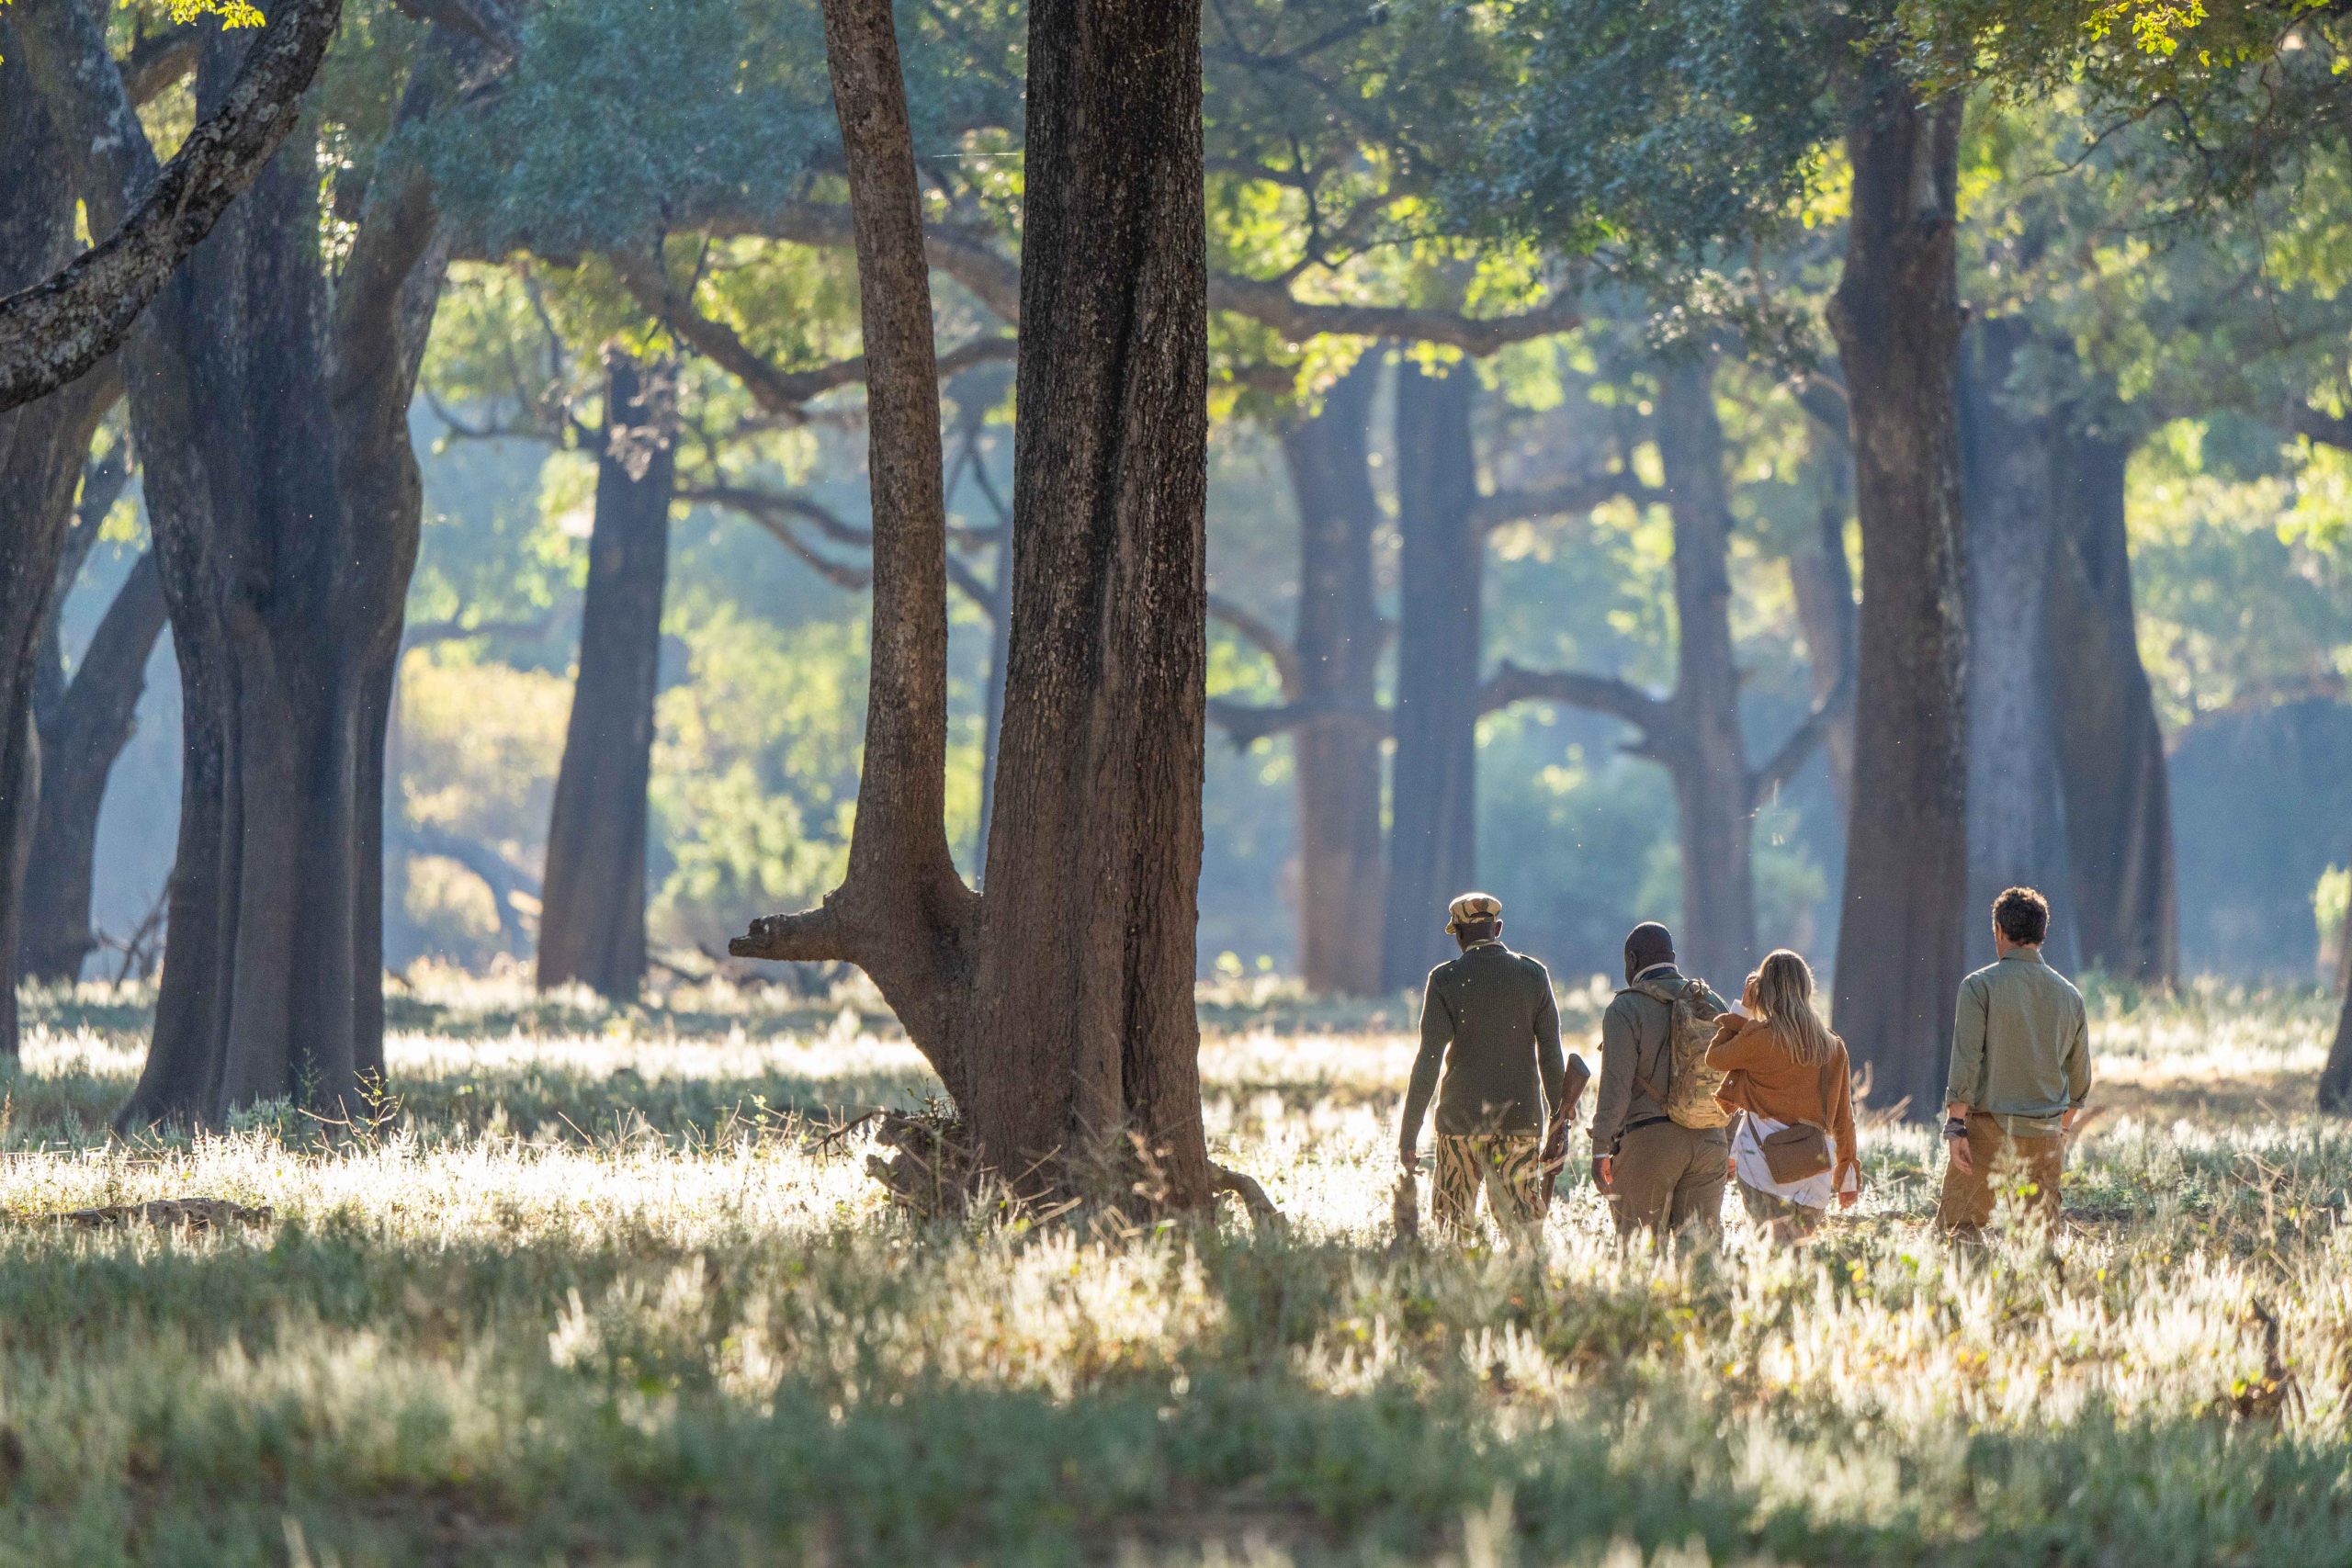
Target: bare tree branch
784	393
158	60
1580	494
1245	724
1782	765
968	256
2317	426
771	513
54	331
1654	716
1256	630
486	21
814	936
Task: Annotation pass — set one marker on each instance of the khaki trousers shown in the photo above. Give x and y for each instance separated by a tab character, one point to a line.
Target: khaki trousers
1667	1176
2026	1168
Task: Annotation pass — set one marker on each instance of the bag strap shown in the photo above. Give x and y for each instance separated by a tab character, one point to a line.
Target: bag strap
1669	999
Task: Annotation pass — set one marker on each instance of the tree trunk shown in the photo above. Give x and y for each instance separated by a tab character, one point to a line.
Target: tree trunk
2336	1078
1897	317
80	741
1823	582
1337	644
992	716
2017	828
1432	834
284	503
1058	1008
1094	857
2117	791
592	927
41	448
1703	745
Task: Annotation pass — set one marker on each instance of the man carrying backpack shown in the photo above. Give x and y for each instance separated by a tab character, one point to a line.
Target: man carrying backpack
1660	1149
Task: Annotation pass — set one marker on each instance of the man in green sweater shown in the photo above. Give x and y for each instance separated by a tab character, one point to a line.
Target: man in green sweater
2021	1067
1489	1021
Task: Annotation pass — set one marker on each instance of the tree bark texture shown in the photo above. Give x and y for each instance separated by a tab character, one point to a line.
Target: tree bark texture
1338	647
1432	833
1702	744
54	328
1094	856
1896	315
2017	826
42	448
80	738
592	927
1058	1008
2111	751
271	419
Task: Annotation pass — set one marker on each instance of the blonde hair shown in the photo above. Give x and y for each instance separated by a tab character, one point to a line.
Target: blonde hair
1785	998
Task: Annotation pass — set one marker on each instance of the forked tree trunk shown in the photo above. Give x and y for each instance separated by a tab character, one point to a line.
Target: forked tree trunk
1432	833
1703	745
91	723
1898	319
1058	1008
2017	828
284	500
2111	751
1338	645
592	928
41	448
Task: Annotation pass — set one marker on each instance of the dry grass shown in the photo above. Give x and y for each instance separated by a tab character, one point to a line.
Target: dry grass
592	1294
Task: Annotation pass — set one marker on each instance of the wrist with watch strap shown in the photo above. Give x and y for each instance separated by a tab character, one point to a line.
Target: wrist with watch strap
1955	1127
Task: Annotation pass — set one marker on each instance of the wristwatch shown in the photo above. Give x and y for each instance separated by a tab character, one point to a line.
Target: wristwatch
1955	1127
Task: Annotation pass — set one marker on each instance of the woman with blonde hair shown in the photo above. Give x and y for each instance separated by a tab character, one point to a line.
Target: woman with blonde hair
1788	1079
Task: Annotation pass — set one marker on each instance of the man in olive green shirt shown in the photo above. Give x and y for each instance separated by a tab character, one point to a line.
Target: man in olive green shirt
1489	1019
2020	1068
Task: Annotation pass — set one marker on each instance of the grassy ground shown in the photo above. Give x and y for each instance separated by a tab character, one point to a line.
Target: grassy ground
593	1293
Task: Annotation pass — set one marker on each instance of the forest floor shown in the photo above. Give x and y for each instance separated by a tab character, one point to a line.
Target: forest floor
596	1290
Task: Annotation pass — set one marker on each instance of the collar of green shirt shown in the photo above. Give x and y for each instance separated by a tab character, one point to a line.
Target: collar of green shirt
2024	955
1490	941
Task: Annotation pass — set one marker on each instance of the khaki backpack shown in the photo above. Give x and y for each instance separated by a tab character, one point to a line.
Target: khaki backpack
1690	1093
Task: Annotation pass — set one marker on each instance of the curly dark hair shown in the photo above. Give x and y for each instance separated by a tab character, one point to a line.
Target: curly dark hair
2023	915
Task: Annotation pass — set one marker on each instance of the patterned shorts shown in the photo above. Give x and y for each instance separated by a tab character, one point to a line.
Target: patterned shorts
1508	1165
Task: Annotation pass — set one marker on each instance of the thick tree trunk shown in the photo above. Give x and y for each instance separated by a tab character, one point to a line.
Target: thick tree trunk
80	741
2118	796
1094	857
1432	833
592	927
2017	828
283	499
1898	319
42	448
1703	745
1823	582
1058	1008
1338	645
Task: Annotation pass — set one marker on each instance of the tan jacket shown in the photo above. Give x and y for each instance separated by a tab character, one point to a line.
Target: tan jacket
1760	1075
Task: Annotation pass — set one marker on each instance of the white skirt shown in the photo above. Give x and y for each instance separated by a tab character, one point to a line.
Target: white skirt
1747	1158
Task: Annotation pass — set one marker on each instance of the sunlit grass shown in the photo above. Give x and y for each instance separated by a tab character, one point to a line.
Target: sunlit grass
596	1289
